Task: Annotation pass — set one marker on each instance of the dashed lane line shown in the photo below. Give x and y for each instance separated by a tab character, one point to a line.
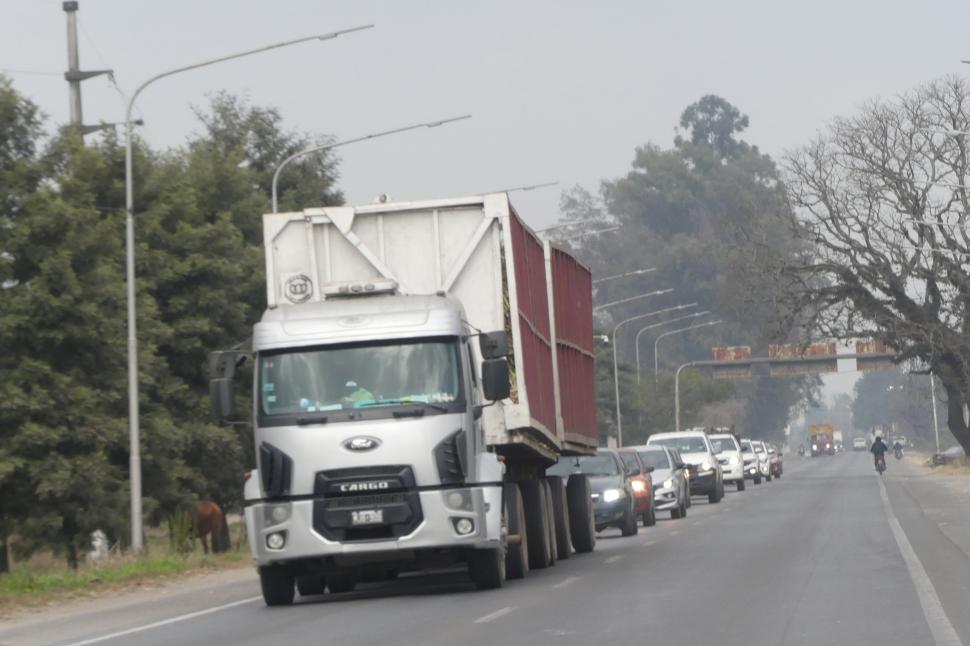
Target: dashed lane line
613	559
567	581
501	612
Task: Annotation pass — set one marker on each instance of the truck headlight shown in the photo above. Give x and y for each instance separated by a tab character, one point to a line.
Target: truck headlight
815	447
276	513
611	495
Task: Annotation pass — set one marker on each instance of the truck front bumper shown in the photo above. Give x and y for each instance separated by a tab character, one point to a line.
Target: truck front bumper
269	522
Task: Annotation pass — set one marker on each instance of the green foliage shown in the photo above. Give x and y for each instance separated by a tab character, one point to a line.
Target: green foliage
63	405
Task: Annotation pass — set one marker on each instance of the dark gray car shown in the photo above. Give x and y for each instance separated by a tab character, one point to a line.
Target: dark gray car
613	504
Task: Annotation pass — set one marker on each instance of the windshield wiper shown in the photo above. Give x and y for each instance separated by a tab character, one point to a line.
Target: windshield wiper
406	402
306	421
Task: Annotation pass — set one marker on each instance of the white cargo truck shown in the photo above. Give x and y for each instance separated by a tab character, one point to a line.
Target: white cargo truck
417	368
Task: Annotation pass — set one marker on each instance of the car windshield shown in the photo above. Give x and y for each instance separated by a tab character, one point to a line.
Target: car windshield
656	459
591	465
689	444
746	446
630	461
758	448
348	377
724	444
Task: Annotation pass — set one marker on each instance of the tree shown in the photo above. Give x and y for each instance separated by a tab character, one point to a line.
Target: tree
708	213
883	210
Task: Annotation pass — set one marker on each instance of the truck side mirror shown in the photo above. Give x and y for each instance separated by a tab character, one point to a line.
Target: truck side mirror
496	382
494	345
223	403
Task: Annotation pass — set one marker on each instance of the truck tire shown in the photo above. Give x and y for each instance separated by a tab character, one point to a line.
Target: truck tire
310	584
537	523
579	500
487	568
516	554
550	522
561	516
741	484
340	583
276	583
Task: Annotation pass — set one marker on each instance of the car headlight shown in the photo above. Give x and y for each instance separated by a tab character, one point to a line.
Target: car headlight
815	447
733	460
611	495
828	446
639	485
705	466
668	483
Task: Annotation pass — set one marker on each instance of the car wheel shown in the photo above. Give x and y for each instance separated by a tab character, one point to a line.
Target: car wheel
741	484
651	517
712	497
276	584
768	478
757	480
683	508
516	554
629	526
677	511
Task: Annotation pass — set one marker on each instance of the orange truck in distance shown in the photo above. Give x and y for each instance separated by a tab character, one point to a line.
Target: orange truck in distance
822	439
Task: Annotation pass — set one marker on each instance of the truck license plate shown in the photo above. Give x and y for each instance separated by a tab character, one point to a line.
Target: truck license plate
367	517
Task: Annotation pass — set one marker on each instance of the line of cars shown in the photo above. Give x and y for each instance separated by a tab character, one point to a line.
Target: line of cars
633	484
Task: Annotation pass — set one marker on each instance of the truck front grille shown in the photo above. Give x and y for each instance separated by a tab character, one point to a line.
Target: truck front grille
388	490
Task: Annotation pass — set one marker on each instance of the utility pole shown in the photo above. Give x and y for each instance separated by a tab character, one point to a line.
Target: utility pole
74	75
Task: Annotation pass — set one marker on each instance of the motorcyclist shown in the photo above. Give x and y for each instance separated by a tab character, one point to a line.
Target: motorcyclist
898	448
879	450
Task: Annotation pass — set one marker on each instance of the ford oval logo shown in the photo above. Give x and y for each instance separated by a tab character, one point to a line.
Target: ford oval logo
361	443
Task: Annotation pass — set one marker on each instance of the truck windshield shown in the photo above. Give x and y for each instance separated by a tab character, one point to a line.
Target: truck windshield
355	377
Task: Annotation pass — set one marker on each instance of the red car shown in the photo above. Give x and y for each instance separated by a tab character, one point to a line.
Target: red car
775	461
642	485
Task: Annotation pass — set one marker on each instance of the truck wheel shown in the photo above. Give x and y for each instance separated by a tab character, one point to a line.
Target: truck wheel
516	554
629	525
560	515
340	583
487	568
550	522
741	484
579	500
537	523
276	582
310	584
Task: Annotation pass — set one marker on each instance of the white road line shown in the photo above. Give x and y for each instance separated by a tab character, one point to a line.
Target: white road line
567	581
674	532
943	632
649	543
501	612
164	622
613	559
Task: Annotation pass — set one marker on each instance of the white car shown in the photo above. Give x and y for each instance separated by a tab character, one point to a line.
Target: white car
752	465
728	453
764	460
695	449
859	444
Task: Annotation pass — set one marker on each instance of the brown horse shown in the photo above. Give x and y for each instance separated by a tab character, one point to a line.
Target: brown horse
207	519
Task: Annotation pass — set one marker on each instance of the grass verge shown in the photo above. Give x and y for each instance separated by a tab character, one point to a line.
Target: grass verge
22	588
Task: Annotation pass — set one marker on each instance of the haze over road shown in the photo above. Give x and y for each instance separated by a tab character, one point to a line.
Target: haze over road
807	559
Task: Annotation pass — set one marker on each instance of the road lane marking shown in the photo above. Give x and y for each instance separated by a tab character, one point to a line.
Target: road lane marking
674	532
649	543
613	559
501	612
567	581
943	632
164	622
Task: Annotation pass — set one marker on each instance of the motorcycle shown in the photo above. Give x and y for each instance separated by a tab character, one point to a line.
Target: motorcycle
880	464
899	452
801	450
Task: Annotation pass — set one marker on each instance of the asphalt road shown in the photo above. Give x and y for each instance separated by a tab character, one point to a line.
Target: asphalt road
814	558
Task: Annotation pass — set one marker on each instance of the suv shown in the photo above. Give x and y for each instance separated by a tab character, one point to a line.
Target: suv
752	466
728	453
641	482
695	450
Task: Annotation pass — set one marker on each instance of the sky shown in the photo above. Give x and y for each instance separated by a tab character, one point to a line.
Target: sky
559	90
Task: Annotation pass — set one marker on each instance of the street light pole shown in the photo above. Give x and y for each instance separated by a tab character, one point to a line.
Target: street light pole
616	368
661	324
316	149
134	439
656	343
636	341
936	426
632	298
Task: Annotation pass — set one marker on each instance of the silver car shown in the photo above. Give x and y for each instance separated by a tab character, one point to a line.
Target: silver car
752	463
671	491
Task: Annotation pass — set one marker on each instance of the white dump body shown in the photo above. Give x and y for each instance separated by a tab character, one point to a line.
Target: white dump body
474	249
